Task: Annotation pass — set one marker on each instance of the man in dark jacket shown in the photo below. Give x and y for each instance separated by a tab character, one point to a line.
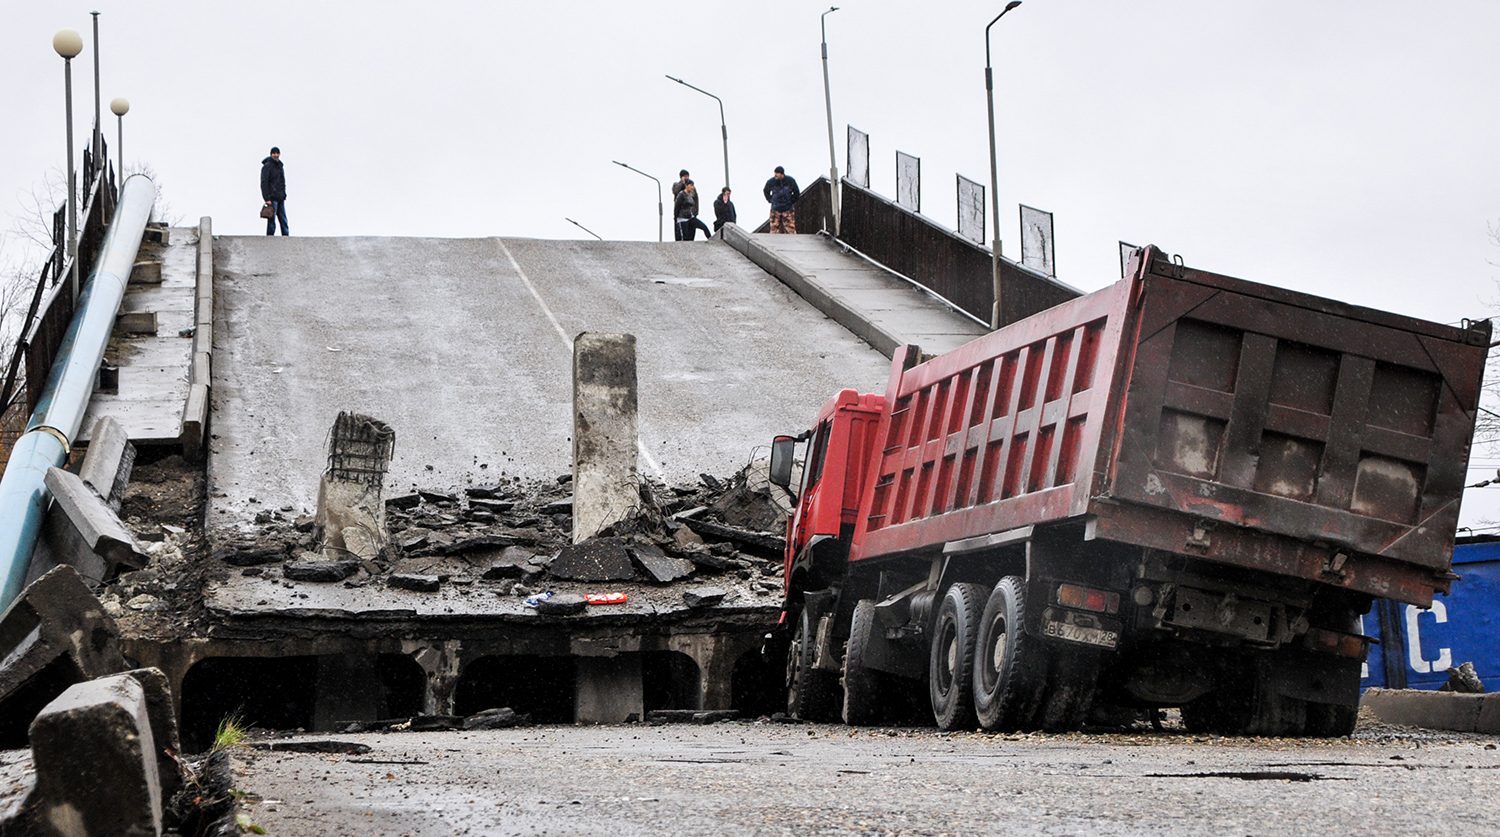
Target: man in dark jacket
273	190
782	193
677	189
685	211
724	210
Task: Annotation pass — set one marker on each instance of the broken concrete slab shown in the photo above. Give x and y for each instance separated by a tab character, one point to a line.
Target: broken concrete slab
691	716
319	570
415	583
404	502
53	635
500	718
562	604
510	562
703	596
250	557
95	759
605	483
600	559
660	567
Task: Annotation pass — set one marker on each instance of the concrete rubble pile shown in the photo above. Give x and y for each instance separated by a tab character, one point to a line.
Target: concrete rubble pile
512	538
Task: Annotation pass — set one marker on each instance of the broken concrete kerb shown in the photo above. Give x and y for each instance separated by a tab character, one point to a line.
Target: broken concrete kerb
96	769
55	620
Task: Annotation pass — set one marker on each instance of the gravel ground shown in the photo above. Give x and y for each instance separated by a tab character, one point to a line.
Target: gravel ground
759	778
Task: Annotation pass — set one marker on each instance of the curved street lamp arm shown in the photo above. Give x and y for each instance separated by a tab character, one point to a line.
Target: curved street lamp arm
1008	6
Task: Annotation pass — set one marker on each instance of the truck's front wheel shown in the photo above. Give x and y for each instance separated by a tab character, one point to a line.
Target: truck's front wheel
1009	666
810	693
950	673
863	695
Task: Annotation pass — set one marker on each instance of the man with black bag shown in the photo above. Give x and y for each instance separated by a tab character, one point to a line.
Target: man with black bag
273	191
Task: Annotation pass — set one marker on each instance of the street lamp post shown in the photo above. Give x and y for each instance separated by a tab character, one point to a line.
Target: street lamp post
833	163
582	227
723	126
68	43
98	143
660	213
120	106
989	89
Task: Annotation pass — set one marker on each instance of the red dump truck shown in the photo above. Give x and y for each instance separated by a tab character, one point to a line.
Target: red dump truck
1179	491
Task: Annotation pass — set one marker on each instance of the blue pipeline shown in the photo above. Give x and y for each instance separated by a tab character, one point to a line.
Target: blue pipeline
59	413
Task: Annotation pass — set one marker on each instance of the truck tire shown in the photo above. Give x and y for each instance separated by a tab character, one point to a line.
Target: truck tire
810	693
1009	665
864	693
1249	706
950	673
1331	720
1069	693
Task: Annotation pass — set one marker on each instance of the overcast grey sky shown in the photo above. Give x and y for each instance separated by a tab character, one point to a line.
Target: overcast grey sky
1345	148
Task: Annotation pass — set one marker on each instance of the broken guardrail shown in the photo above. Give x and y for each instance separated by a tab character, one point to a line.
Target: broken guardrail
59	414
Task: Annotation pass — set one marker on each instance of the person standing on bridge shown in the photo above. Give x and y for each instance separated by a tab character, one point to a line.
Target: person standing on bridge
682	182
781	193
724	210
273	190
685	209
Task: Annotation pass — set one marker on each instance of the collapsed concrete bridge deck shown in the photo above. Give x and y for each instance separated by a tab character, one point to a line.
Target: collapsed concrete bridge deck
464	347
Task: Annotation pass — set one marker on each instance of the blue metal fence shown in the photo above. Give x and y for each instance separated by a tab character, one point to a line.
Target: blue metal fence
1417	646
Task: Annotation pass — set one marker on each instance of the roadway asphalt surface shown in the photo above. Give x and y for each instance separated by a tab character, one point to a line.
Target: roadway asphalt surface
747	778
462	346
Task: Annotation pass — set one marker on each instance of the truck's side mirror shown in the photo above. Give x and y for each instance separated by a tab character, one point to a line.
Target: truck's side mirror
783	449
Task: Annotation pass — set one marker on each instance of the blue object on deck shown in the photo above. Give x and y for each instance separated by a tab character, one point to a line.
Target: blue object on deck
59	412
1417	646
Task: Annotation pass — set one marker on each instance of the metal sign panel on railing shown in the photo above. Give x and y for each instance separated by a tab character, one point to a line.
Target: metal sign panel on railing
970	209
1126	251
1036	241
909	181
859	157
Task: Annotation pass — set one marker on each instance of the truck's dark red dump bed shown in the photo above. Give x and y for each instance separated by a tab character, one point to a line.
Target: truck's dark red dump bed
1197	414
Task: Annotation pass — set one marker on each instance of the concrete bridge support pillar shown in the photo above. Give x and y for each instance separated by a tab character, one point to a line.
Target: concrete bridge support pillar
605	485
442	664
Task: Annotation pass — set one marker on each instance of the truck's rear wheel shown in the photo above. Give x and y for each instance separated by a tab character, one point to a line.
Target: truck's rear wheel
950	673
863	688
810	693
1009	666
1247	706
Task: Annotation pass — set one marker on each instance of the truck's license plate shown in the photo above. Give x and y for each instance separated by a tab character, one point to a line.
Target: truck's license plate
1076	633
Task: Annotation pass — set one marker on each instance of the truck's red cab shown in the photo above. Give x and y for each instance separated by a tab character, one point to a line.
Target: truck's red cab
838	455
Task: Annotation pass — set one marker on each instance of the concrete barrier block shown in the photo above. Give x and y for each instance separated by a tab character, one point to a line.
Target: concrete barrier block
195	421
95	763
108	462
605	483
1489	715
136	322
146	273
53	635
94	520
1432	710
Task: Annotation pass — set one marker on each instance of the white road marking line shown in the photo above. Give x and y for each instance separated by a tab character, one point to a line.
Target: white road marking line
568	342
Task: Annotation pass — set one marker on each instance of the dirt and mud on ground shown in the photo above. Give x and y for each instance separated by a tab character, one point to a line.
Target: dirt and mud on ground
765	778
504	547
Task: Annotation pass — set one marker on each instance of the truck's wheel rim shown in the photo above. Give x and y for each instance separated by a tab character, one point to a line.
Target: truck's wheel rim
996	657
949	658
